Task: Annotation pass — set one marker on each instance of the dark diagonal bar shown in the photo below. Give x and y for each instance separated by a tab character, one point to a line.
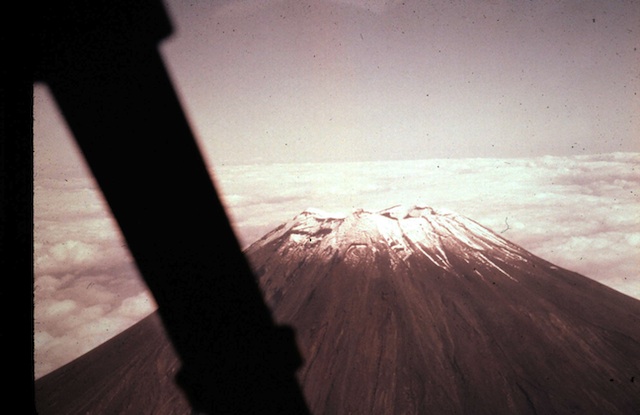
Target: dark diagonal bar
101	62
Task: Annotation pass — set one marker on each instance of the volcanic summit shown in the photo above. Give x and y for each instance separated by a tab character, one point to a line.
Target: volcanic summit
410	310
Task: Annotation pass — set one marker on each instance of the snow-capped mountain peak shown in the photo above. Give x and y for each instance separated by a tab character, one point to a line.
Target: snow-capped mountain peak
397	233
411	301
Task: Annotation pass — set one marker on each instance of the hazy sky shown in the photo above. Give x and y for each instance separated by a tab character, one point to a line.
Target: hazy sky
371	80
293	81
517	114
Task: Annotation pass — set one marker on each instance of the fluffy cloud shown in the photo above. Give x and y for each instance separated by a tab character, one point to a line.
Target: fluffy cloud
86	286
75	319
81	330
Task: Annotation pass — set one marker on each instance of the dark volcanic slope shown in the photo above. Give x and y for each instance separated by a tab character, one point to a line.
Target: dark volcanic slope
404	311
133	373
413	311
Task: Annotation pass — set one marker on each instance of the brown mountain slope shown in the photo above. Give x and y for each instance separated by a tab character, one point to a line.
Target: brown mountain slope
133	373
412	311
404	311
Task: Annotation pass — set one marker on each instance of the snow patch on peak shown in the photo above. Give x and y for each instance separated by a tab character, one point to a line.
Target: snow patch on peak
401	231
404	212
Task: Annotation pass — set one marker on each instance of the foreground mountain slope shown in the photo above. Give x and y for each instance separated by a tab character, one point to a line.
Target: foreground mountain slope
410	310
406	310
132	373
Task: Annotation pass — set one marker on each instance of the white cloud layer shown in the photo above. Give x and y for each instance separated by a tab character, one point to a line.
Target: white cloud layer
86	286
578	212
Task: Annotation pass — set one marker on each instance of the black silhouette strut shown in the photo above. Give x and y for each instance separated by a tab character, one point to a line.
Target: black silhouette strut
101	63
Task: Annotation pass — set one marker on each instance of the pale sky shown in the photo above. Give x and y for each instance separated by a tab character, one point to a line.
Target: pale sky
292	81
373	80
522	114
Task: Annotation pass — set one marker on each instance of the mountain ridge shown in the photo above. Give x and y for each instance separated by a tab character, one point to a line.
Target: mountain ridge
406	280
414	310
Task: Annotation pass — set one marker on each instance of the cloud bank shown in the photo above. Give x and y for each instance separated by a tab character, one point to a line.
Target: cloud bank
86	286
579	212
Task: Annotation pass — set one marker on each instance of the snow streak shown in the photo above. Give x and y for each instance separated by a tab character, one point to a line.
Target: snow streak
401	231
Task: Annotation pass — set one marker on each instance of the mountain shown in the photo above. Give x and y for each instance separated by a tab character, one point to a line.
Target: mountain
410	310
405	310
